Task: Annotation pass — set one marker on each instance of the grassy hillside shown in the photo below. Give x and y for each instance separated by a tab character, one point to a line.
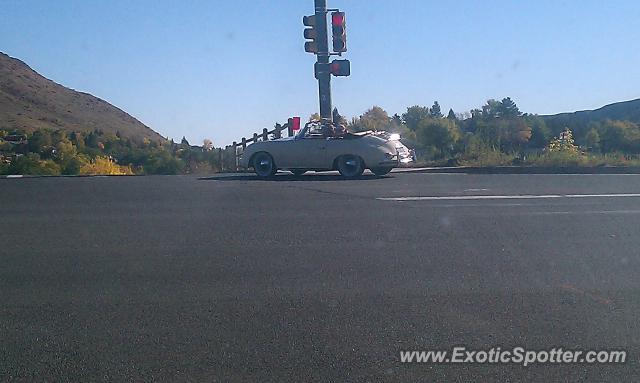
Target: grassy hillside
29	102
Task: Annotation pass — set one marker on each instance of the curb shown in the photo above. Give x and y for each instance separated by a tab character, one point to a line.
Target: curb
18	176
526	170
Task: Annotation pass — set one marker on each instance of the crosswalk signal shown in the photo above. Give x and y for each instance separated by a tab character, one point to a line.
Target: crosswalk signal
340	68
311	34
339	27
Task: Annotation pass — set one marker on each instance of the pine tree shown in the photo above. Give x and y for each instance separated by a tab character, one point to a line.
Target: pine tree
508	108
436	112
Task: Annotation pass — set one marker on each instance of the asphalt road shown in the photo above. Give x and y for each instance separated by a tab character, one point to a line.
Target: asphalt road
234	279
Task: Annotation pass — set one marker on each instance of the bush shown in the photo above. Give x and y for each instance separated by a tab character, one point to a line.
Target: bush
31	164
480	153
492	157
104	166
558	158
74	164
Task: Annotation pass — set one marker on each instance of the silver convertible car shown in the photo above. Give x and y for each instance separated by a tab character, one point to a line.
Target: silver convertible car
311	149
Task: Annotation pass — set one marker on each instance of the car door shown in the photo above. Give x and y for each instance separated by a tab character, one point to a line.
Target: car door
308	152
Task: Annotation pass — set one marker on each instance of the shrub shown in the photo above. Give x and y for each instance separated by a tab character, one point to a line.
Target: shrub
480	153
104	166
558	158
31	164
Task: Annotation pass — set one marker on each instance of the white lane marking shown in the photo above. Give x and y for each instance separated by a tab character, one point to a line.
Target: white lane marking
601	195
604	212
481	205
475	190
15	176
481	197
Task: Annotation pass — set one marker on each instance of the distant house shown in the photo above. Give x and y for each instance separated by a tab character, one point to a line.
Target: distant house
16	139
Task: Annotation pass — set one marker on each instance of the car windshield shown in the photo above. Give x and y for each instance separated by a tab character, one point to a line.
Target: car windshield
320	191
310	130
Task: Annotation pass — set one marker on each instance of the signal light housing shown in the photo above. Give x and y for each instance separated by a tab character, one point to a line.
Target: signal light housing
311	34
340	68
339	29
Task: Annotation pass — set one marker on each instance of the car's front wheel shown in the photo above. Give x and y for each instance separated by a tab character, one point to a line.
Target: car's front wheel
381	171
350	166
263	165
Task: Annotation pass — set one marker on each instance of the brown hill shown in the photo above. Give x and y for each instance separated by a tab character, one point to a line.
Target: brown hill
29	101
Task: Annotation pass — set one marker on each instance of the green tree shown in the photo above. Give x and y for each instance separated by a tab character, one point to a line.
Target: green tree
441	134
451	115
435	111
65	150
92	140
396	120
77	139
491	109
375	119
592	140
31	164
414	115
507	108
162	162
40	141
540	132
513	133
619	136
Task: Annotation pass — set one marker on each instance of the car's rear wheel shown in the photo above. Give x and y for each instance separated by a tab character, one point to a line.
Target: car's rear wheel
263	165
298	172
381	171
350	166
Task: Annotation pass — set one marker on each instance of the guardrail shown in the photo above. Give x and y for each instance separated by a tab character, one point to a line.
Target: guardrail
229	157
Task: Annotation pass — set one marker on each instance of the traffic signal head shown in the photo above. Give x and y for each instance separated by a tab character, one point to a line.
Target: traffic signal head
311	34
340	68
339	28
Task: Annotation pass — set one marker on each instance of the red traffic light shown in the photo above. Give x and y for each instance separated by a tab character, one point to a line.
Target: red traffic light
339	28
337	19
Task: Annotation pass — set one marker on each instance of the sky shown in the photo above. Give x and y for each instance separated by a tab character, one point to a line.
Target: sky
225	69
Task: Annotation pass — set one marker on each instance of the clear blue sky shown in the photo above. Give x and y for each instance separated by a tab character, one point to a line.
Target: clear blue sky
224	69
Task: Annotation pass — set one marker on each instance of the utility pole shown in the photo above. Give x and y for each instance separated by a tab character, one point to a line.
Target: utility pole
316	33
322	66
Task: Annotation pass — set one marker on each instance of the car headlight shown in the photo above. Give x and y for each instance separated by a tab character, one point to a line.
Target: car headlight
389	155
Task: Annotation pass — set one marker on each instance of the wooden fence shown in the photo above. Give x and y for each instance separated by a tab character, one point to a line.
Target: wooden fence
230	156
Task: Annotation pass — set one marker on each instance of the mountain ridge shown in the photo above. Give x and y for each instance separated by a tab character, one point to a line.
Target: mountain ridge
623	110
30	101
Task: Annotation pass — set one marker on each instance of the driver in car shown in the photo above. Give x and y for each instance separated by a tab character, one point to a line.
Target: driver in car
332	130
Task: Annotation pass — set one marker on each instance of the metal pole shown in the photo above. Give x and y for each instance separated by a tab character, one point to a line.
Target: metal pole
324	76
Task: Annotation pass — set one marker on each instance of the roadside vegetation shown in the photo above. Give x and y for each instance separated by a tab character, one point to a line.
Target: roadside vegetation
497	134
48	152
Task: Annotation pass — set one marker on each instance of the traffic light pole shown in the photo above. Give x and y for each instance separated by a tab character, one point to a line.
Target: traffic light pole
324	76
